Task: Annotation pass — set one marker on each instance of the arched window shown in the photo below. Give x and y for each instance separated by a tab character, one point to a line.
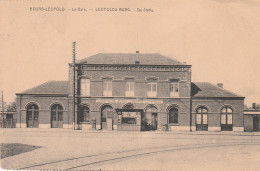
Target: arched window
56	116
32	115
226	119
202	119
173	115
84	114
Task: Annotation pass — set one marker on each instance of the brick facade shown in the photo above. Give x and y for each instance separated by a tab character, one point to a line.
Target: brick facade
146	113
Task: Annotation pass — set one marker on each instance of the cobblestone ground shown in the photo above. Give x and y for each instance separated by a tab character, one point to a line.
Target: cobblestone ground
84	150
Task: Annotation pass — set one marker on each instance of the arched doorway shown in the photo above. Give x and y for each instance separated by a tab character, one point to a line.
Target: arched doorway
106	117
150	119
32	116
57	116
202	119
226	119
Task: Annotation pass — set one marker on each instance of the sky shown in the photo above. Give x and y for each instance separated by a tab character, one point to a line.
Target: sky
219	38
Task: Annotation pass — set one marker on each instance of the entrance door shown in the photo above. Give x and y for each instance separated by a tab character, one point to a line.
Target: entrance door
106	112
255	124
202	119
149	119
154	121
57	116
32	116
109	124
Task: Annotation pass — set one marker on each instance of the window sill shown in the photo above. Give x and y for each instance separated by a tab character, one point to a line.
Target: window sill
85	122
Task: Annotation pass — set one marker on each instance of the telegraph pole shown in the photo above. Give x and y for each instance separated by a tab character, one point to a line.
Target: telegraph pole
74	100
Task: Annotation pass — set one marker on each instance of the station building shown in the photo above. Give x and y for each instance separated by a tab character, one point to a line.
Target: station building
131	92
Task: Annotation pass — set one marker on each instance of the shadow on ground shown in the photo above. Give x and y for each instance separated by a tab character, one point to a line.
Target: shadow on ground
11	149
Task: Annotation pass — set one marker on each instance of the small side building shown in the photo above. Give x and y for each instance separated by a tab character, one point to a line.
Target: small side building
252	119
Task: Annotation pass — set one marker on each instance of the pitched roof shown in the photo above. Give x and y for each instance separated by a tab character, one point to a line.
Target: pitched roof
204	89
130	58
50	87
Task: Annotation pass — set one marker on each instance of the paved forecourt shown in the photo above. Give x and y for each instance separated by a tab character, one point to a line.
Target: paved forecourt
76	149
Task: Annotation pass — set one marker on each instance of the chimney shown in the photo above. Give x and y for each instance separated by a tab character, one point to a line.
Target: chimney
220	85
254	105
137	51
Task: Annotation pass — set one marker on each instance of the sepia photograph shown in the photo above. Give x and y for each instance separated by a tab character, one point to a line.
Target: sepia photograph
130	85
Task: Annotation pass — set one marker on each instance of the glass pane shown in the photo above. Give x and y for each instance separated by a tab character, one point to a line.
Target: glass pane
86	116
104	114
205	120
88	89
171	88
175	120
36	115
35	106
171	116
127	86
199	110
83	87
60	107
204	110
229	110
60	116
132	85
198	118
150	87
53	116
176	89
29	115
229	119
154	88
223	110
110	86
223	118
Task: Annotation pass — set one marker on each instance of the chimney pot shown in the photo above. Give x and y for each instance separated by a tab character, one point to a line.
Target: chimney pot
254	105
220	85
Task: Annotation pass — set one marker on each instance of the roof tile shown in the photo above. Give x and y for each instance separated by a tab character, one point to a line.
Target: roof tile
50	87
130	58
205	89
